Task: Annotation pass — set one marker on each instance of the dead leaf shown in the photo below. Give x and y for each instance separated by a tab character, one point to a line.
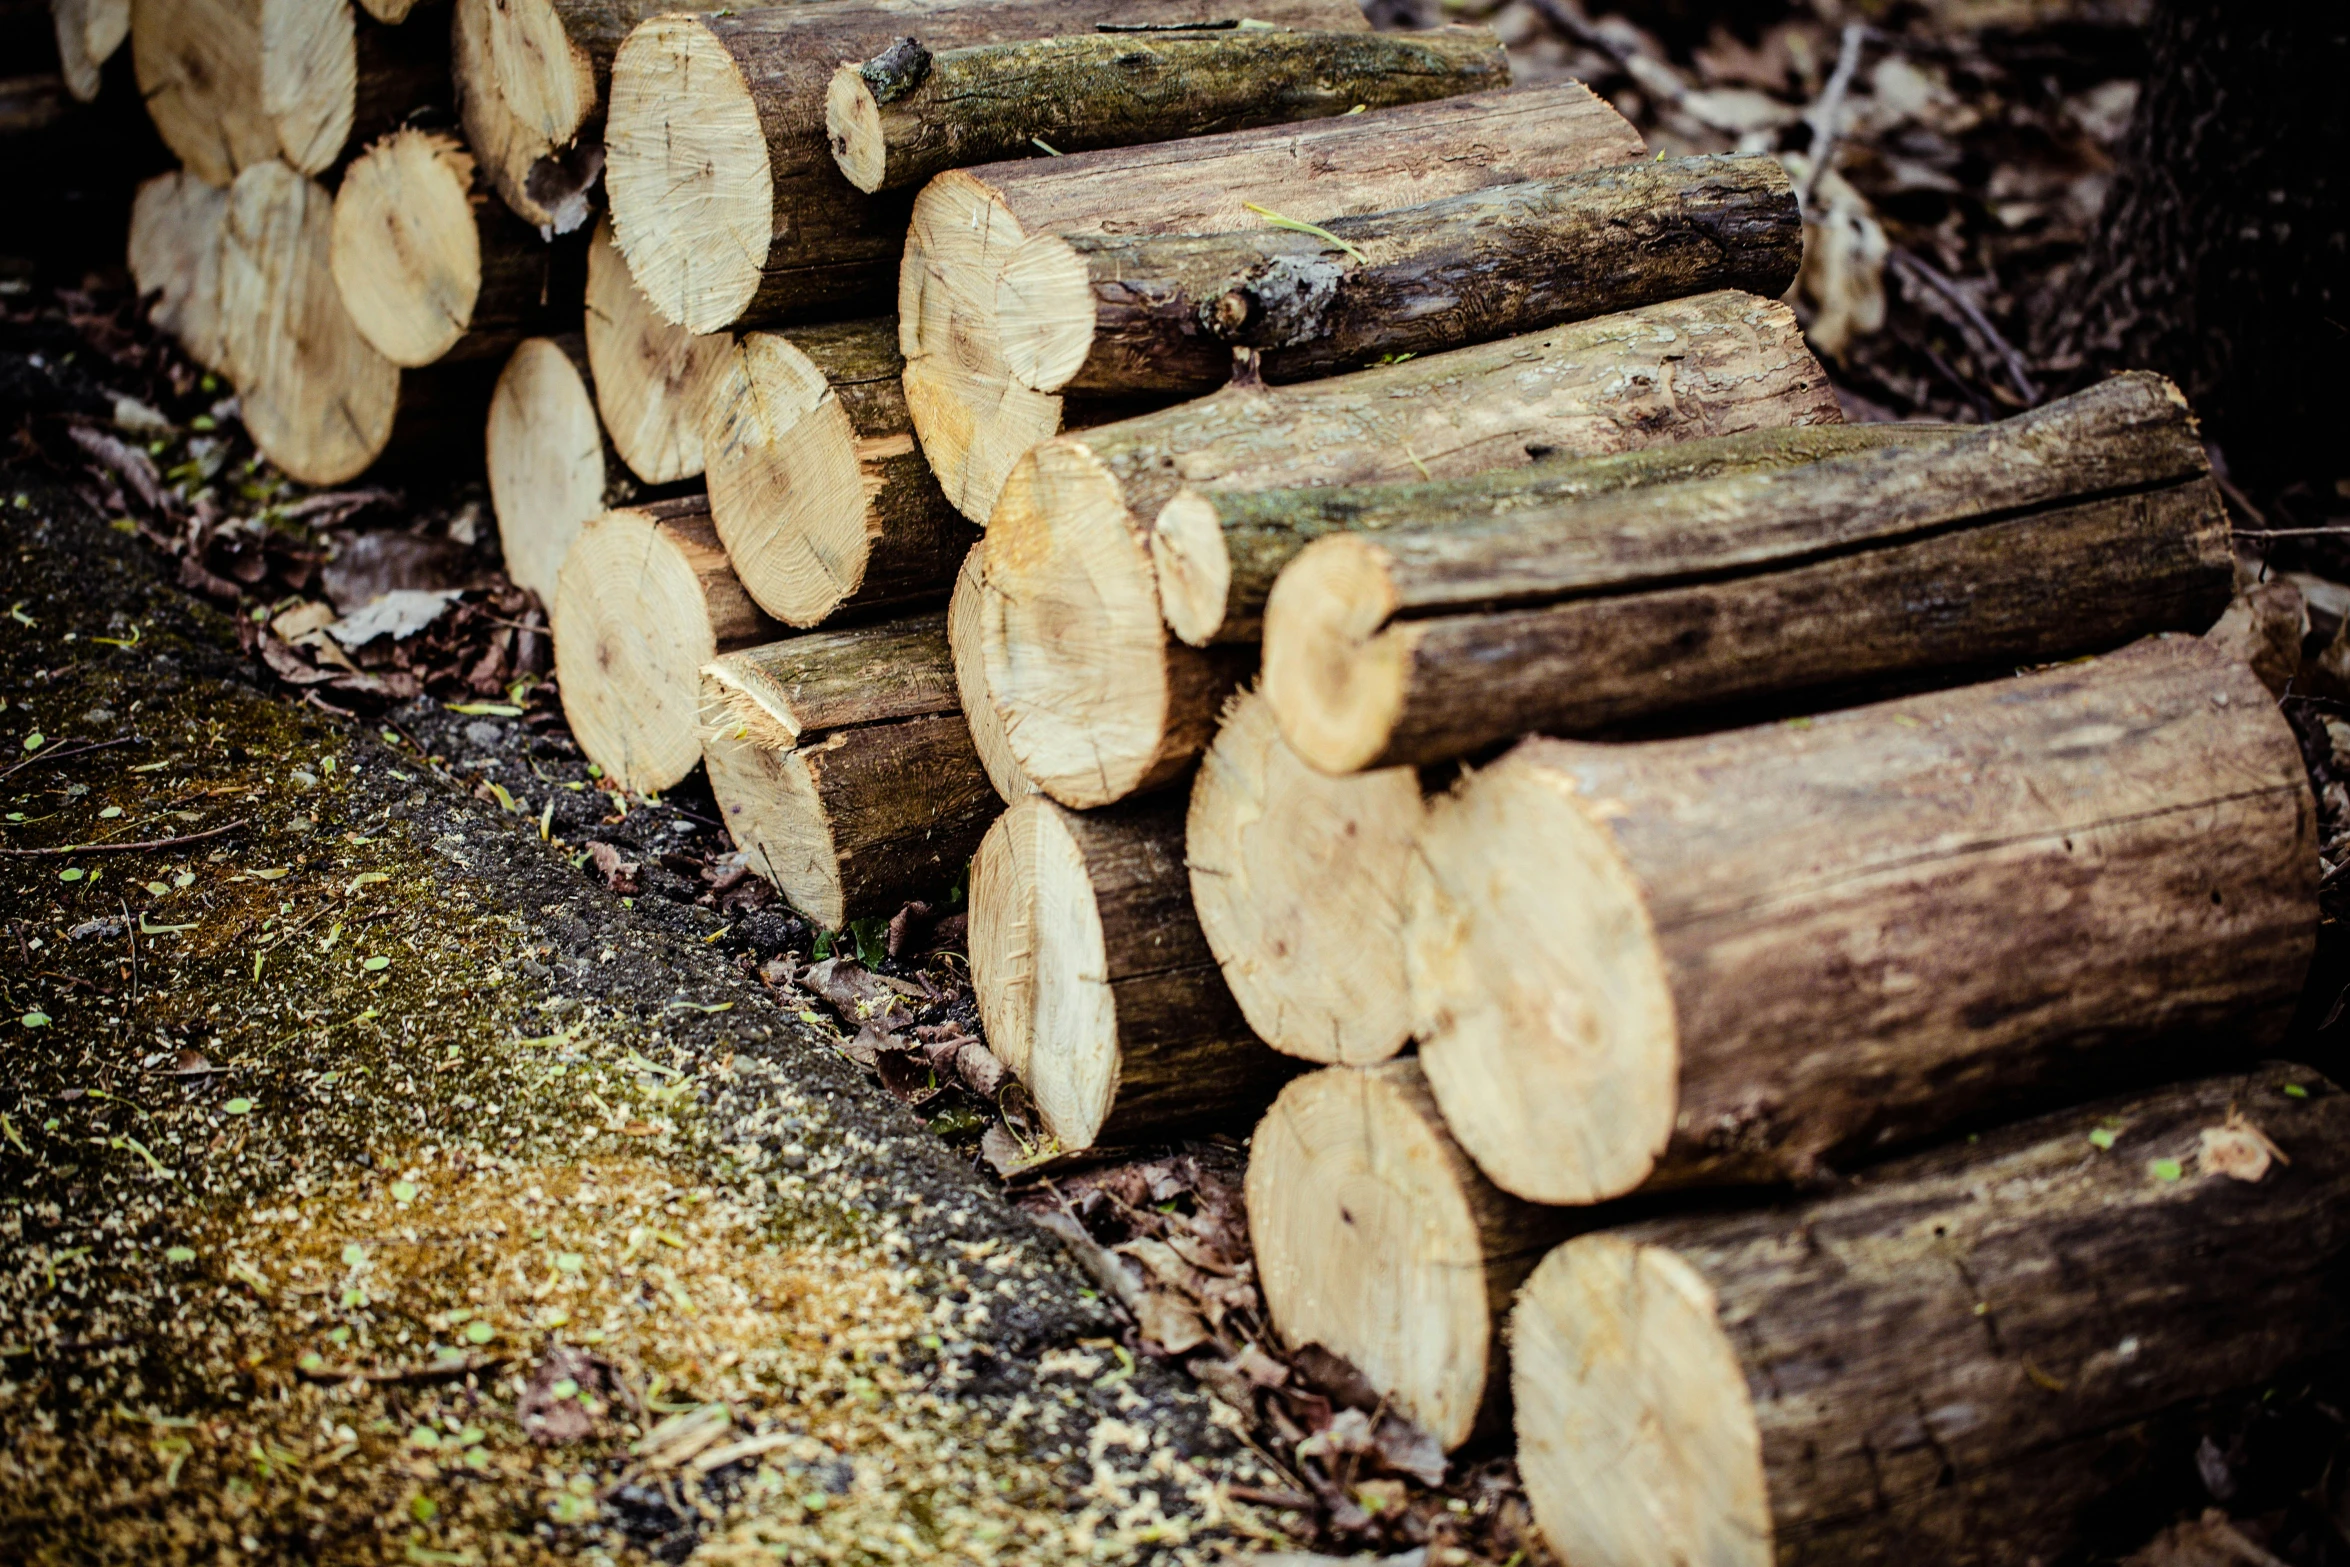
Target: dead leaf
399	614
619	874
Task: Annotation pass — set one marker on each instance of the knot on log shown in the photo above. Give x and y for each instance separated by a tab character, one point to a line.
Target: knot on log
1279	305
897	70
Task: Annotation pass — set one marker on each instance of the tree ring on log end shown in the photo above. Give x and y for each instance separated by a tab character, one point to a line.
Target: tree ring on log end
546	461
1044	311
524	90
852	123
1636	1436
1335	671
652	378
632	632
768	799
1194	566
686	169
786	491
1074	649
406	253
1546	1022
1039	965
964	611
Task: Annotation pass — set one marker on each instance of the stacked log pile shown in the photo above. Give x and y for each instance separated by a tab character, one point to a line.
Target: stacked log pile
1361	566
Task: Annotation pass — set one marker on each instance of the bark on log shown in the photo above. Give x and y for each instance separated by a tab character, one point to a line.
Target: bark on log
88	33
653	380
720	171
892	129
979	709
1949	1364
1375	1237
645	599
1738	956
318	400
1217	552
551	469
1099	702
174	256
1297	880
2071	528
843	769
431	266
1094	983
977	420
1115	313
815	484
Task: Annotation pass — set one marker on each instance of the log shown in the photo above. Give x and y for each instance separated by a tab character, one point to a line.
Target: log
842	767
908	114
88	33
1095	986
318	400
1163	313
1296	877
432	267
1099	702
720	169
979	709
977	420
653	380
1954	1363
174	259
1217	553
1375	1237
815	484
551	470
644	600
2071	528
1749	956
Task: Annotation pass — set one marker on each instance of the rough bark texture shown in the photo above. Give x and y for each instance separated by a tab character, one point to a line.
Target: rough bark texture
1218	552
1085	92
700	106
815	484
2230	216
1737	956
1972	1359
1169	310
842	767
1099	702
2069	529
1095	984
1375	1237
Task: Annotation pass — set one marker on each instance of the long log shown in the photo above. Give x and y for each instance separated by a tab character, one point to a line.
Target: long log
174	259
1099	702
720	169
430	264
1375	1237
1217	553
1109	313
318	399
977	419
842	767
644	600
1953	1363
908	113
979	709
551	468
815	484
653	380
88	33
1094	983
1746	956
2074	527
1297	880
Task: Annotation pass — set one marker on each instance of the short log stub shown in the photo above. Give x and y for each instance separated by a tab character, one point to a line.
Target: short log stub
547	459
979	709
653	380
174	254
1739	956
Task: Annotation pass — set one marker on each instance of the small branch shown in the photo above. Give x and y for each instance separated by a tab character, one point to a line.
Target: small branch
60	753
1826	115
1934	278
2293	533
124	848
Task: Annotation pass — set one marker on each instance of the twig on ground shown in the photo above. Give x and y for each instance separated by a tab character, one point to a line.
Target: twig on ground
1941	283
122	848
60	753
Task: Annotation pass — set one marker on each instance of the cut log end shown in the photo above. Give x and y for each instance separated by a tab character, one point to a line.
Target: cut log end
1194	567
964	610
406	253
174	255
198	64
1044	309
1335	672
1636	1436
786	489
546	462
1367	1244
852	122
686	167
524	91
1039	965
1523	923
1295	876
653	378
1087	621
768	799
